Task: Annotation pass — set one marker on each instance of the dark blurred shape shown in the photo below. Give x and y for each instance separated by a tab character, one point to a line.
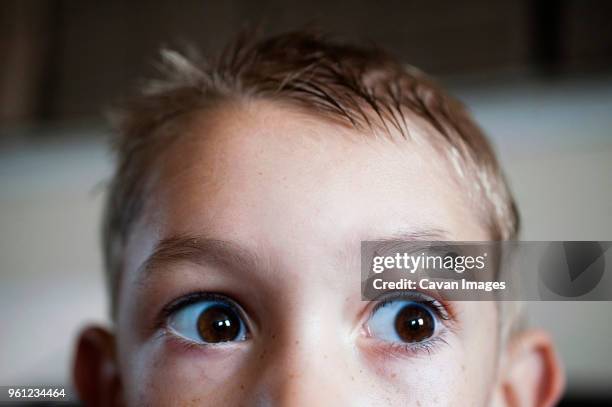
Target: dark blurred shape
547	34
585	402
68	59
571	35
24	41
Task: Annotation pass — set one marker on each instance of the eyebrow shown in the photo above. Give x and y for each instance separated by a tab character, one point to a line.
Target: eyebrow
203	250
424	234
418	235
200	250
390	244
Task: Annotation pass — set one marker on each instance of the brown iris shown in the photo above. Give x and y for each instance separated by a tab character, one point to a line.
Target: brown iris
414	324
218	323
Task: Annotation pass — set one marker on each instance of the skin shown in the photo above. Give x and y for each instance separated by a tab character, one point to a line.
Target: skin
288	196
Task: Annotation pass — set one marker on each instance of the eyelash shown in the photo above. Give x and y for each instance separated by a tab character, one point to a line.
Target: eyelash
424	348
185	344
439	309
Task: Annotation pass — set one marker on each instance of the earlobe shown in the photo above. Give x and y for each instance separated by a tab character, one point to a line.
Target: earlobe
95	373
533	376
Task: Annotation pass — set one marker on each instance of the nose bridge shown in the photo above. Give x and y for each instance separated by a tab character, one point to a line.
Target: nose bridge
309	351
306	372
309	363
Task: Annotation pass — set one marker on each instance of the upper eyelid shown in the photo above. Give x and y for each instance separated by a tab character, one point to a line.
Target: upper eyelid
192	298
427	304
415	296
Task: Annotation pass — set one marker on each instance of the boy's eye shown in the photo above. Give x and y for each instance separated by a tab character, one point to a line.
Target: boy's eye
402	321
208	321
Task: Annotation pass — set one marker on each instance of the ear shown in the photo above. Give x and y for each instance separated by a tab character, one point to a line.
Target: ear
531	375
96	374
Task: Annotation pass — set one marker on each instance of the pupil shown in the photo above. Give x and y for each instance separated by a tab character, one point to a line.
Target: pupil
218	323
414	324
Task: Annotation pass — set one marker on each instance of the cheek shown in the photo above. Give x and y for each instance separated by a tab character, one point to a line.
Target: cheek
165	371
460	372
479	354
439	379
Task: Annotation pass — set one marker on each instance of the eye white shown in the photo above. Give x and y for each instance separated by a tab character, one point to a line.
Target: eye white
184	321
382	322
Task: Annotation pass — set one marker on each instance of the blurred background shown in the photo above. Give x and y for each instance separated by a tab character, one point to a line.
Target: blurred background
536	74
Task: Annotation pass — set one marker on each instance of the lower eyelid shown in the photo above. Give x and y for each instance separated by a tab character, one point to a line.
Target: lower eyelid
186	344
400	350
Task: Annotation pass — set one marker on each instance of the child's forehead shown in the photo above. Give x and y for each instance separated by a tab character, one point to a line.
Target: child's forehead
251	165
247	136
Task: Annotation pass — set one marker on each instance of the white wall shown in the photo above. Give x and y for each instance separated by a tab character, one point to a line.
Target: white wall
49	259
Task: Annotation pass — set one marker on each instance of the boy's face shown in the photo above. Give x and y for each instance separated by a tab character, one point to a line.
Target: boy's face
256	218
